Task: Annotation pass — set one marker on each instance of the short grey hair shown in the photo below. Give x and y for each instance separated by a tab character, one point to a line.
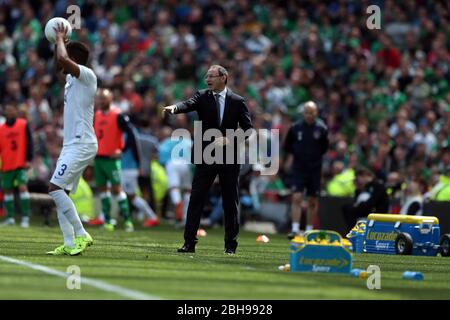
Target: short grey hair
222	71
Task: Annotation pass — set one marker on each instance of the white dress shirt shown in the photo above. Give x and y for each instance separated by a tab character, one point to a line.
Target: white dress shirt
221	97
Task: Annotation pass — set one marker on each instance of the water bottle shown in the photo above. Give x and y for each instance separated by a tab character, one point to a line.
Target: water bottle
355	272
413	275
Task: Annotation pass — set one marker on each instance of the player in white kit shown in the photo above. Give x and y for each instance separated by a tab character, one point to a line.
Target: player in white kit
80	143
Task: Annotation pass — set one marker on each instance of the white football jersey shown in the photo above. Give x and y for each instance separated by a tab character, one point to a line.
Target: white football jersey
79	94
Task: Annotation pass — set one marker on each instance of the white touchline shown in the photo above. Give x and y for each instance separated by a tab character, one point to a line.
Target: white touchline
124	292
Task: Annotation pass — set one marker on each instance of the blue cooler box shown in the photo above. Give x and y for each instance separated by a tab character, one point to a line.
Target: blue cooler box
401	234
320	251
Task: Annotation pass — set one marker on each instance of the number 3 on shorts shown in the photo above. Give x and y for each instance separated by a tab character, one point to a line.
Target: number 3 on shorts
63	169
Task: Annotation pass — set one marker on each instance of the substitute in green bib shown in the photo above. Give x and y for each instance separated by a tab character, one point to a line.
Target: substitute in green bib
16	151
110	125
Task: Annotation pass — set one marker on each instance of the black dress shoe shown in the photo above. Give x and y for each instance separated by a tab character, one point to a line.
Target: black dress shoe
187	248
229	251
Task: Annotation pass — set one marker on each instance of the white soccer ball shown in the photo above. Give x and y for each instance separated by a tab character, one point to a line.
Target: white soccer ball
52	23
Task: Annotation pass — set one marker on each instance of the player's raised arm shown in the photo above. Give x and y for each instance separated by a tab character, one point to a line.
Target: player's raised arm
59	70
62	57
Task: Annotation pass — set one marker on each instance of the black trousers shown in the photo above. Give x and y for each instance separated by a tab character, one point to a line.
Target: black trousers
229	183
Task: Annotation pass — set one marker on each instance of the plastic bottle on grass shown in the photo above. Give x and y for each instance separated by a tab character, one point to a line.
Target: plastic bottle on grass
413	275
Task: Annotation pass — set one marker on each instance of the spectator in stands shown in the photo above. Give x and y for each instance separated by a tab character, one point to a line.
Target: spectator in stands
413	203
342	184
441	191
370	197
395	190
38	107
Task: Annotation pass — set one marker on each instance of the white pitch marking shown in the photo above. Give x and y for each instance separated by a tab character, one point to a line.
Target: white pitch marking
121	291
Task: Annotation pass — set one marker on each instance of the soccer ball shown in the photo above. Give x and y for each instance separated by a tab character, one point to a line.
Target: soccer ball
52	23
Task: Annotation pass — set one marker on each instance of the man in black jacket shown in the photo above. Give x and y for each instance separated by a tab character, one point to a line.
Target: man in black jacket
307	142
221	109
370	197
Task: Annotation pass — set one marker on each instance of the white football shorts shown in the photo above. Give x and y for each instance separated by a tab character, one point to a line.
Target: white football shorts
71	163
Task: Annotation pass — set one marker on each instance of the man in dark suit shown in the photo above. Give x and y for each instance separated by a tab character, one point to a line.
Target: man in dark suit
217	108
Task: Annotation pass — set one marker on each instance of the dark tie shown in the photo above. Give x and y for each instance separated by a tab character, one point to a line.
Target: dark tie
216	97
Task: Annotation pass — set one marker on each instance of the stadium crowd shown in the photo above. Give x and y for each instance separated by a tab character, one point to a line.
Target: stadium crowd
384	94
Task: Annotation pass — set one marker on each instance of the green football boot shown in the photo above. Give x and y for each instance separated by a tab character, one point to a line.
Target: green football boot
62	250
81	243
129	226
108	226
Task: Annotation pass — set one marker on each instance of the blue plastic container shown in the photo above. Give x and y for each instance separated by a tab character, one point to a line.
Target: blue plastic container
355	272
413	275
320	251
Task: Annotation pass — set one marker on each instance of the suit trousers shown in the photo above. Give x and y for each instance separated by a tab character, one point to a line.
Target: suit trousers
229	183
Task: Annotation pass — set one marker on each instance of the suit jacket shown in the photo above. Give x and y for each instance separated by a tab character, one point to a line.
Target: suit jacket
235	115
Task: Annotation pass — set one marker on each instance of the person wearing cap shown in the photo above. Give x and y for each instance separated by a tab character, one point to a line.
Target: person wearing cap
306	143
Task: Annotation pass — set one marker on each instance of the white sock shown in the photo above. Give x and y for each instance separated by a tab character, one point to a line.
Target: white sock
142	206
9	198
175	196
24	195
67	230
295	227
65	205
119	197
309	227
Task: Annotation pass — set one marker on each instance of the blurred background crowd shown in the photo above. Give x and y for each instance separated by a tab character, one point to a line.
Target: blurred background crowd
384	94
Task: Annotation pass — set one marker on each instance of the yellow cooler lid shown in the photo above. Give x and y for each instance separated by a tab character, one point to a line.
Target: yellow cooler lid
383	217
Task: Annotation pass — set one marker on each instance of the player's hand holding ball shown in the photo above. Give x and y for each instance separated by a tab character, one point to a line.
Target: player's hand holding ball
61	32
57	27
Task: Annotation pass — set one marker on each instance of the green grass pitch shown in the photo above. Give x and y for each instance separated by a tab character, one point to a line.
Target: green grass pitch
147	261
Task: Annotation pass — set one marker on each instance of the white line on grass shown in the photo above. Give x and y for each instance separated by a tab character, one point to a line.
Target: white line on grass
124	292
